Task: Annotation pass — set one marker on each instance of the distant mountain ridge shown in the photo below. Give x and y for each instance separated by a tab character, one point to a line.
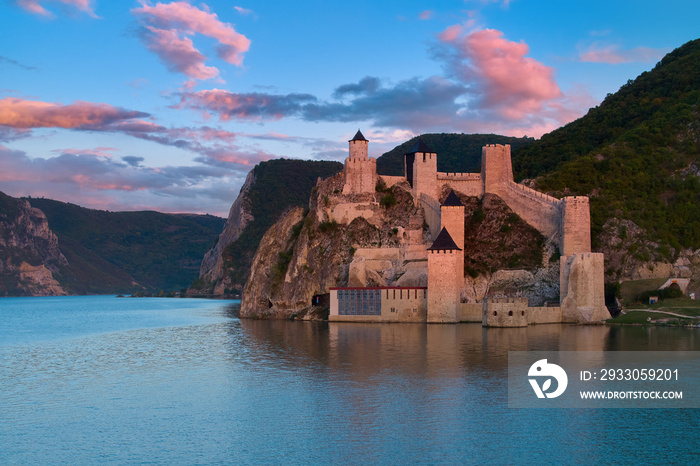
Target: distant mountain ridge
88	251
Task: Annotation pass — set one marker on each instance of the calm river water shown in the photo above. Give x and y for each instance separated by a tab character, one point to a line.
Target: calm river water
87	380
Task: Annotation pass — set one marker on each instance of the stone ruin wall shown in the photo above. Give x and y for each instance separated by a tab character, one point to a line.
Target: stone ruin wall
504	312
564	222
358	149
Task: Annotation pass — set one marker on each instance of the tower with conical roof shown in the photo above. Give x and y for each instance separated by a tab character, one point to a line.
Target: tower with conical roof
360	169
358	146
445	277
421	169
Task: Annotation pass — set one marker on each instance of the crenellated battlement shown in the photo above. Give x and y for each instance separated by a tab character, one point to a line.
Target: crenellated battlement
355	160
522	301
459	176
532	193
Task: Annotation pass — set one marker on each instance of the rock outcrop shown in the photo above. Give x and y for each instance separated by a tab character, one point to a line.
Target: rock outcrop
29	254
630	255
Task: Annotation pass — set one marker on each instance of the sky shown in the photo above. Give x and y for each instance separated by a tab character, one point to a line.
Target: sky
146	105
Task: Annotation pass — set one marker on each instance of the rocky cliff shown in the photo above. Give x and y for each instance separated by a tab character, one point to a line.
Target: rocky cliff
631	255
380	239
270	190
29	253
239	216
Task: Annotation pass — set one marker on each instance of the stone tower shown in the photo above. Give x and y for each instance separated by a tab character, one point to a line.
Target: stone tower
496	168
581	272
452	218
575	225
445	277
358	146
421	170
582	288
360	170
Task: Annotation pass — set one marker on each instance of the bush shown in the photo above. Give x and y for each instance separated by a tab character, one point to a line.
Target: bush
667	293
327	226
388	200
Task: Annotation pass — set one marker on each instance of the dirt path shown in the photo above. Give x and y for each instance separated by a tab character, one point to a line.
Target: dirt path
660	312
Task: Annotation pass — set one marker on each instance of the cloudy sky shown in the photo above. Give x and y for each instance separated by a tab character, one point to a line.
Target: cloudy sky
135	104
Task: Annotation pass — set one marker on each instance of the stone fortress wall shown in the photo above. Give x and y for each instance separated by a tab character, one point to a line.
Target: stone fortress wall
565	222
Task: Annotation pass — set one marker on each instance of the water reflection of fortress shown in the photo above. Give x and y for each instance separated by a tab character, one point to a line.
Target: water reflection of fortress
564	221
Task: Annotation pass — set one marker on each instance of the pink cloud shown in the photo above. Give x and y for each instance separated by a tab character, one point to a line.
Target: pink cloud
179	54
35	7
450	33
425	15
508	82
613	54
171	21
23	114
244	11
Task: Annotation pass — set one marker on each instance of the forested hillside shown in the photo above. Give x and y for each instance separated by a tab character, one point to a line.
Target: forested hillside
635	155
111	252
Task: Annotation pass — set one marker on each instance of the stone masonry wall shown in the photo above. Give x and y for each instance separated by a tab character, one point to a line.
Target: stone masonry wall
390	181
496	168
543	315
506	312
431	207
537	209
470	312
360	175
404	305
469	188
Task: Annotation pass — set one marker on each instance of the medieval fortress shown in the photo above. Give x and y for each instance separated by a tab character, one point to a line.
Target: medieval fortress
565	222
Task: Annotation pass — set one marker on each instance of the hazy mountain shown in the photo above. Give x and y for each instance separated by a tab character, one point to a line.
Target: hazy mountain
111	252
